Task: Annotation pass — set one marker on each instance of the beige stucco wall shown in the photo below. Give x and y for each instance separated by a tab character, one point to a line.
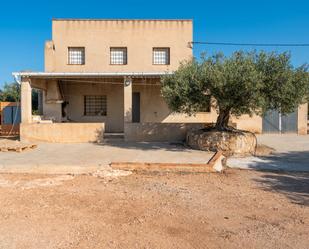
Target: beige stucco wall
245	122
74	93
97	36
62	132
155	109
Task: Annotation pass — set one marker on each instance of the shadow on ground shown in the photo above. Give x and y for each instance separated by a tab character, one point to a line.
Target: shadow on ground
294	186
293	178
293	161
148	146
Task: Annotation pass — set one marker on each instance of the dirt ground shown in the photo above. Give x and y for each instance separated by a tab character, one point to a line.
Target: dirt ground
235	209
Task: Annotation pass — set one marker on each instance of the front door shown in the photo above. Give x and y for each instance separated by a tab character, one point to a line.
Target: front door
136	107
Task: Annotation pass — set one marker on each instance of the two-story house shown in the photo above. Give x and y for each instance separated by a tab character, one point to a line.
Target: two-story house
103	77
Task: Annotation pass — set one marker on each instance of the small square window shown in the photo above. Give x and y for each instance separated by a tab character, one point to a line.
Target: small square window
76	56
95	105
161	56
118	56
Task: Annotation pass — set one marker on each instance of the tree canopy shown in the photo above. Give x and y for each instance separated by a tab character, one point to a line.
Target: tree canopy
10	92
244	83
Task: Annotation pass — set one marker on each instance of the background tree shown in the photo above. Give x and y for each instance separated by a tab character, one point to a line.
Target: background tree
244	83
10	92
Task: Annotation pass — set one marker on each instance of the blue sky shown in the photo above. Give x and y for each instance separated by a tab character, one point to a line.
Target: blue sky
25	25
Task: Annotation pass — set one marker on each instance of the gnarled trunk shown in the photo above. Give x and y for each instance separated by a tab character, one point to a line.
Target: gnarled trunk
223	120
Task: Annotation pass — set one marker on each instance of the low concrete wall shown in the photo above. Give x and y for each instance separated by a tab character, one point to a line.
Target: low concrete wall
62	132
158	132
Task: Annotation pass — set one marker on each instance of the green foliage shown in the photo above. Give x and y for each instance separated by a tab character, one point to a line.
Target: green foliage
233	82
244	83
10	92
283	87
184	91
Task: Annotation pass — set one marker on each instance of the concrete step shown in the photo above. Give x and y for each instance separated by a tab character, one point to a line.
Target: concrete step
113	137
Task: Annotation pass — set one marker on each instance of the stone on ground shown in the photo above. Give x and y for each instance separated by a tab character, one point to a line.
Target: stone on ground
15	145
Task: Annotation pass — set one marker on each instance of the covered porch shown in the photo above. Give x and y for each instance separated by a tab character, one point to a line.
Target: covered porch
88	107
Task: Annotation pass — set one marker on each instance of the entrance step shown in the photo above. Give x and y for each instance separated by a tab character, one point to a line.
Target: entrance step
113	137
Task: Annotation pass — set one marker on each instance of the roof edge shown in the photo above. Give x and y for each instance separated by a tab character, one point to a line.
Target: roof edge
121	19
93	74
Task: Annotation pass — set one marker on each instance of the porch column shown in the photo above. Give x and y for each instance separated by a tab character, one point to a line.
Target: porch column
127	100
26	101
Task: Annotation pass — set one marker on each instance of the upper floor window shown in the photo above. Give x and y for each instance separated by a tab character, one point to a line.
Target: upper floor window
161	56
76	56
118	56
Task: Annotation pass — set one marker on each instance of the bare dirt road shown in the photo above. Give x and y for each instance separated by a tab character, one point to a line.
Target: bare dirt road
236	209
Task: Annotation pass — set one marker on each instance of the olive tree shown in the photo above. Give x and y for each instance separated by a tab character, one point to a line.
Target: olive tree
244	83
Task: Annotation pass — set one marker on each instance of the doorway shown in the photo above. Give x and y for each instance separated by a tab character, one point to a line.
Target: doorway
136	107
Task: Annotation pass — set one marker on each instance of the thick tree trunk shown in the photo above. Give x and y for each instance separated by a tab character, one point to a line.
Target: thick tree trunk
223	120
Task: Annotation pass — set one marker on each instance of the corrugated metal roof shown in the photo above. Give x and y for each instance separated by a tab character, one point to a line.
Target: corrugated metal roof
86	74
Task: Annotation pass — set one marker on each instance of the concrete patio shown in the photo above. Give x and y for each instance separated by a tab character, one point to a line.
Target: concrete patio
89	157
292	154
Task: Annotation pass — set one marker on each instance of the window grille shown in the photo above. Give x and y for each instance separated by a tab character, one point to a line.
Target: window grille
161	56
95	105
76	56
118	56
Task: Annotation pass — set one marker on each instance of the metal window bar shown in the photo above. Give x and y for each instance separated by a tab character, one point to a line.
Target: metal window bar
118	56
161	56
76	55
95	105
